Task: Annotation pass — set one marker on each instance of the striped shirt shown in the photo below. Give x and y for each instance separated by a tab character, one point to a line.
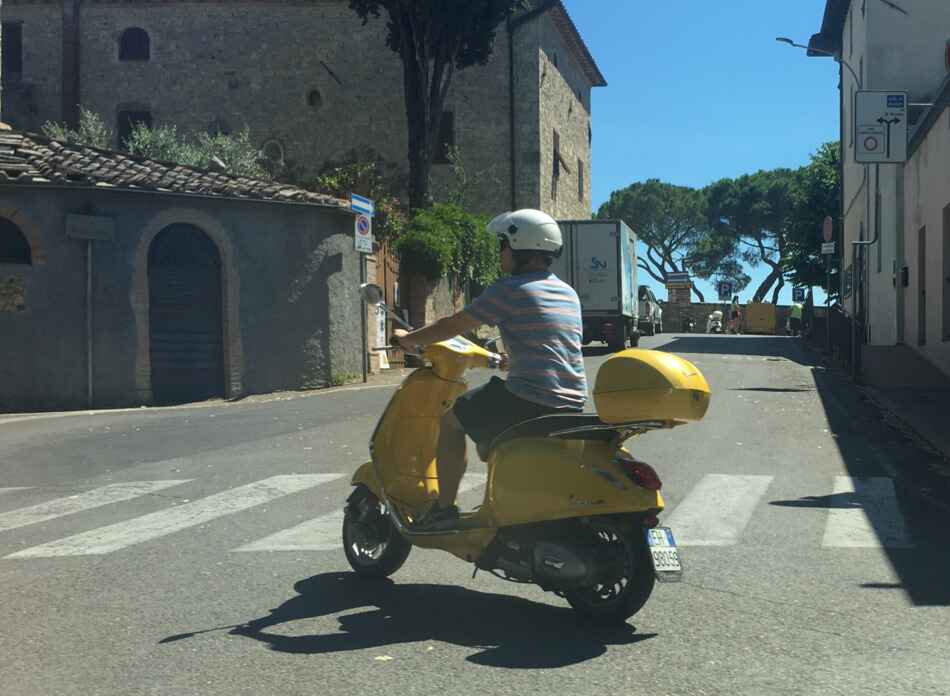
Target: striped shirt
540	320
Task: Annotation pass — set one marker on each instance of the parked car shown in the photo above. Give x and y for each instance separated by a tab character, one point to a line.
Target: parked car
650	312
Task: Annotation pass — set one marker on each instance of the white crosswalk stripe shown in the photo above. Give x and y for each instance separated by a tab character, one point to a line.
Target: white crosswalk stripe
113	493
717	510
864	514
323	533
157	524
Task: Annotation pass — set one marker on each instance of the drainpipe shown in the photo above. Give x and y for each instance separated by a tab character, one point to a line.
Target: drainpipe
71	81
89	390
899	256
511	114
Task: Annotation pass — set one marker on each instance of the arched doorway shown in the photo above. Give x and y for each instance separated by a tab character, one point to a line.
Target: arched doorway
14	248
185	316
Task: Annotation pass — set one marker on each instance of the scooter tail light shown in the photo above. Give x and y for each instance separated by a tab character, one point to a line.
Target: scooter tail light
640	473
650	521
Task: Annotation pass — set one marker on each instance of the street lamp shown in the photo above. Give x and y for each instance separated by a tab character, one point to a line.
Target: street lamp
856	244
837	58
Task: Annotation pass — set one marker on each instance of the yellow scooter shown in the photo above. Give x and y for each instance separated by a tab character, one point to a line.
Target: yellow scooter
566	506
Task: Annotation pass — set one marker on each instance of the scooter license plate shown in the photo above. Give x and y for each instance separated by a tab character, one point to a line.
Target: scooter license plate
666	558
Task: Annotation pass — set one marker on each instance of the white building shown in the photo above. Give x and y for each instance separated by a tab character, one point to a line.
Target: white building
899	45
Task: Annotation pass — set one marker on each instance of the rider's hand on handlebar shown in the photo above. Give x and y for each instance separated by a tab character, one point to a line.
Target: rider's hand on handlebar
505	363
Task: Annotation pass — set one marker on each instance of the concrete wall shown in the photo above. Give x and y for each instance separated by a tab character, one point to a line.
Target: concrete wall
290	289
257	62
926	198
906	52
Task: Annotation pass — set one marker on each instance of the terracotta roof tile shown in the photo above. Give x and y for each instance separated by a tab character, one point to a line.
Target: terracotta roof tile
36	159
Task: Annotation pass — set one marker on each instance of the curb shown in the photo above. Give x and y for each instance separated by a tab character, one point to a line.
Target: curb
252	400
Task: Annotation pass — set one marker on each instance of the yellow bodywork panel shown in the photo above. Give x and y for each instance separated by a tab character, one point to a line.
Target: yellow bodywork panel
537	479
405	441
650	385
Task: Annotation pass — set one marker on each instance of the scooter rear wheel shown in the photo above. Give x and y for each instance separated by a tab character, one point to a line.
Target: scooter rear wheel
372	544
623	594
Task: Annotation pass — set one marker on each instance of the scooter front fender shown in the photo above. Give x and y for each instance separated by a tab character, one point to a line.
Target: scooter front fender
366	476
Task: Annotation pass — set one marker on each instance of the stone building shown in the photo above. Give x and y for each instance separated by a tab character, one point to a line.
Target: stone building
125	281
313	84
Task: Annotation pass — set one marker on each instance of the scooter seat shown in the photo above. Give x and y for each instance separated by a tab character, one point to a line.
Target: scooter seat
581	426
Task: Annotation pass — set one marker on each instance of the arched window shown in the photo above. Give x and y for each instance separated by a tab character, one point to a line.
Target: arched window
13	245
314	99
134	44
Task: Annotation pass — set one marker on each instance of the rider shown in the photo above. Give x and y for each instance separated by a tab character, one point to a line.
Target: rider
540	321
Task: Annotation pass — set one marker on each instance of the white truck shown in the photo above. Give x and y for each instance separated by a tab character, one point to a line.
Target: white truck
600	262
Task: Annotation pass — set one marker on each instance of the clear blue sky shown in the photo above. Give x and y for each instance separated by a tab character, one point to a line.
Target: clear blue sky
701	90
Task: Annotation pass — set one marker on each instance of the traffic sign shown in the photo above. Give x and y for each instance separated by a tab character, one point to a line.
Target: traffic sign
798	294
828	249
880	127
364	234
363	206
828	229
724	290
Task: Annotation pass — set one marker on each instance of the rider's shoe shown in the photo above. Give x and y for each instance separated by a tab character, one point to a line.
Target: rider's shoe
438	517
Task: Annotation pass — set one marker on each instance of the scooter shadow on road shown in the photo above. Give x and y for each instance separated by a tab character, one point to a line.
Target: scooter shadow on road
512	632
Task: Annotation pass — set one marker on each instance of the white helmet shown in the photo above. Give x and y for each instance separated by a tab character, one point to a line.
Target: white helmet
528	230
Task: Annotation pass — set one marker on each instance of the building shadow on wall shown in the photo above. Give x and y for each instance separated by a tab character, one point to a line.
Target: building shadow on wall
908	526
307	360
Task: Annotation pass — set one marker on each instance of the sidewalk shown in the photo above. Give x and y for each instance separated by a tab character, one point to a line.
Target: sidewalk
920	413
386	378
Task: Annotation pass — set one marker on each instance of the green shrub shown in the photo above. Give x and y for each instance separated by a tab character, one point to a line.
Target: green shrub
446	240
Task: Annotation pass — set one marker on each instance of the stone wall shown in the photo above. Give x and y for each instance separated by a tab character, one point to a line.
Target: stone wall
37	98
674	315
290	316
217	64
564	108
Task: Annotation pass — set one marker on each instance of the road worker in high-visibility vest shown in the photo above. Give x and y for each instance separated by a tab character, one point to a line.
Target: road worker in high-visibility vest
795	318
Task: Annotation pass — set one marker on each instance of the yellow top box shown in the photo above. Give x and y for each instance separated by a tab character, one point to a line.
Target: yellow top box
650	385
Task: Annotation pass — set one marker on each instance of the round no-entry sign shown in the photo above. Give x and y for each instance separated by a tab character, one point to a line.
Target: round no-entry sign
827	229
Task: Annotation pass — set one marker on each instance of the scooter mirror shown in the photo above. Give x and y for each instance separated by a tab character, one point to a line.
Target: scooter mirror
371	293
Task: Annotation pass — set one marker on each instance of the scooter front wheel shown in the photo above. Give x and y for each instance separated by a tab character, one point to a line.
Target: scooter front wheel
624	590
372	544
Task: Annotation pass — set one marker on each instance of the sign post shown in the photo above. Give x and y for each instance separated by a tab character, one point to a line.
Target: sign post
828	250
363	241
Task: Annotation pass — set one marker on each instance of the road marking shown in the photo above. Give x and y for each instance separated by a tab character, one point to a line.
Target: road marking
717	510
157	524
14	488
113	493
324	533
863	513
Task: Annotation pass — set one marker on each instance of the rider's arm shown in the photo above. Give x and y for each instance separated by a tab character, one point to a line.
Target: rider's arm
443	329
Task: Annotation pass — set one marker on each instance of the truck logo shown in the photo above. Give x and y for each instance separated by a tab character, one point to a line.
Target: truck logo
597	265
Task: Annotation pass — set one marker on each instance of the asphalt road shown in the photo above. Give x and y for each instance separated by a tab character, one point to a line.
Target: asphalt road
131	543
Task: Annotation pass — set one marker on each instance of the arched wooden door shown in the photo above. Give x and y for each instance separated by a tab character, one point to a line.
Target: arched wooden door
185	316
